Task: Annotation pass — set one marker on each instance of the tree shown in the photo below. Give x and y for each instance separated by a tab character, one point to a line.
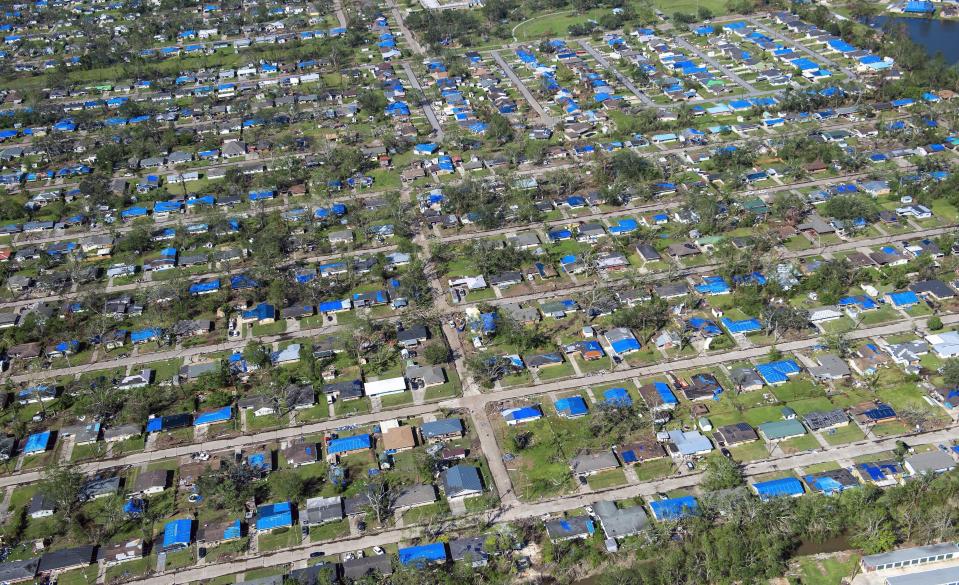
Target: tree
780	319
228	487
950	372
437	353
287	485
62	485
934	323
379	497
721	473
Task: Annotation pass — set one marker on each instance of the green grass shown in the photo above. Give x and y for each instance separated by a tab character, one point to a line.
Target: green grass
79	576
750	451
91	451
266	421
847	434
278	539
130	569
329	531
447	390
650	470
129	445
607	479
319	411
821	467
828	571
351	407
275	328
400	399
425	513
234	547
797	444
179	559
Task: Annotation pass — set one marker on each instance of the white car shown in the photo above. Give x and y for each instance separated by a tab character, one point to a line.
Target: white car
378	551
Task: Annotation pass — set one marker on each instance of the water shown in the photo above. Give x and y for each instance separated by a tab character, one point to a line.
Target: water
830	545
933	34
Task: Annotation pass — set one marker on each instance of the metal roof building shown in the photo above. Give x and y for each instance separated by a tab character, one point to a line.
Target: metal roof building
918	555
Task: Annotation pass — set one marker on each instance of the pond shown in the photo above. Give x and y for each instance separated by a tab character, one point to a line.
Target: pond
933	34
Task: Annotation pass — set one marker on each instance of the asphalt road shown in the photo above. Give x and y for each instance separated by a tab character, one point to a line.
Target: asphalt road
527	94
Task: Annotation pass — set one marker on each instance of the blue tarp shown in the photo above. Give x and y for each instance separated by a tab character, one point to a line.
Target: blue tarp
423	554
775	488
270	516
617	397
177	534
904	298
571	407
213	416
37	443
347	444
674	508
777	372
665	393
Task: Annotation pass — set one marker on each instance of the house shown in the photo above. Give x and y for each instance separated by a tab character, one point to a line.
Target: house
620	522
735	434
622	341
413	336
347	445
462	481
872	412
414	496
826	419
832	481
269	517
645	448
213	534
446	428
590	463
829	367
322	510
470	549
687	443
514	416
930	462
423	555
177	535
569	528
151	482
778	488
780	430
121	552
398	439
373	567
674	508
423	376
300	453
385	387
99	487
935	289
40	506
66	559
19	571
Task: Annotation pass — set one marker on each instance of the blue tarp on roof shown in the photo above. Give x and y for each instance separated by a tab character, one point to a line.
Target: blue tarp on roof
713	285
422	554
825	484
777	372
177	533
904	298
241	281
214	416
144	334
346	444
617	397
37	443
571	407
665	393
522	414
775	488
674	508
741	325
270	516
206	286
